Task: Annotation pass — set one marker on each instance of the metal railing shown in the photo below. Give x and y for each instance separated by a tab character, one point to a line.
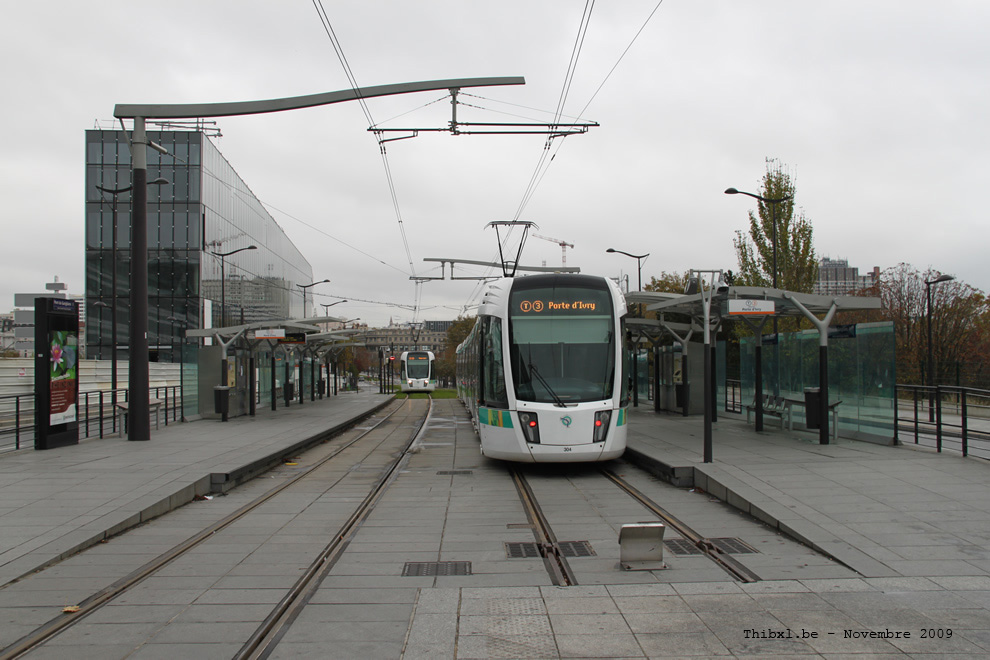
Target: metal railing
944	417
94	413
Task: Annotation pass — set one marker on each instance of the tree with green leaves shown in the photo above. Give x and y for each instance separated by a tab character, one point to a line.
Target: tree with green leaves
668	282
797	265
446	362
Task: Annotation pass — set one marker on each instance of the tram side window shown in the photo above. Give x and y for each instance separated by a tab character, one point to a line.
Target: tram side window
493	370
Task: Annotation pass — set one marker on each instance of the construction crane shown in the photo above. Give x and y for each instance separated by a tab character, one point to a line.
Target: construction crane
563	247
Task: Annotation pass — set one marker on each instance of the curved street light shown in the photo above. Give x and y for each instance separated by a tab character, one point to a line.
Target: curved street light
306	286
223	278
638	258
773	219
773	202
326	306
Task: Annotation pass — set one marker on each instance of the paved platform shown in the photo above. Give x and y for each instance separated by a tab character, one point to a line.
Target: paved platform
914	525
56	502
884	511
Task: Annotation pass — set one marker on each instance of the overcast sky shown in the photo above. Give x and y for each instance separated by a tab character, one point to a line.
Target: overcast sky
878	108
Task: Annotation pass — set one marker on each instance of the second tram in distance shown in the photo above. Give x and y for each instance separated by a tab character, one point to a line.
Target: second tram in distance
416	372
543	371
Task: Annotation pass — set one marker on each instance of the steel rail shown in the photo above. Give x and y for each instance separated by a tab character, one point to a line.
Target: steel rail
268	634
91	604
728	563
557	565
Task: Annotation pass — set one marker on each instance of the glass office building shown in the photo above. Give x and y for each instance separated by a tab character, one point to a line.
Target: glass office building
205	209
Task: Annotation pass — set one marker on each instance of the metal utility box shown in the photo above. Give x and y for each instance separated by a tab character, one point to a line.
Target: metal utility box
641	546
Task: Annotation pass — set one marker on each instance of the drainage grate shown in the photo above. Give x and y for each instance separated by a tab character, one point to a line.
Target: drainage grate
434	568
519	526
576	549
455	471
517	550
729	546
682	547
521	550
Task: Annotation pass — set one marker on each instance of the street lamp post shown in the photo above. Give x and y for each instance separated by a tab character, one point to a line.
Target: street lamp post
931	361
327	306
113	192
773	202
306	286
223	305
639	287
639	269
223	279
773	221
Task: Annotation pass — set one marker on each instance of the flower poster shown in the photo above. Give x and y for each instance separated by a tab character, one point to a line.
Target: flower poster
63	375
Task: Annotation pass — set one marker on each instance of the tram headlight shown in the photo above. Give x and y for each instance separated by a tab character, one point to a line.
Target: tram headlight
602	418
530	427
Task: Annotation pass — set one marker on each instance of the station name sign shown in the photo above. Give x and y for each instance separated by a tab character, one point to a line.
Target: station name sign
750	307
270	333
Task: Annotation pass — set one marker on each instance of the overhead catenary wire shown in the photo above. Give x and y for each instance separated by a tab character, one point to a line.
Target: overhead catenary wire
352	80
544	162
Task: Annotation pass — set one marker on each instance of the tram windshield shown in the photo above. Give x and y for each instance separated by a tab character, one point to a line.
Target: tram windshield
562	342
417	365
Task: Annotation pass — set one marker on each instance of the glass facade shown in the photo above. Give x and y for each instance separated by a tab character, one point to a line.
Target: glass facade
205	209
861	374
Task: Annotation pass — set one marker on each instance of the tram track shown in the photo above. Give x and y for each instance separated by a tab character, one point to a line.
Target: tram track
557	565
266	637
551	551
728	563
271	630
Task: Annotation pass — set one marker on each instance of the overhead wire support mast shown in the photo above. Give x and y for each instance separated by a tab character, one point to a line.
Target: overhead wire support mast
455	127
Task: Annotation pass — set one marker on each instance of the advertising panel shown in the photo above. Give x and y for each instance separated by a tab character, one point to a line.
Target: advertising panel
63	376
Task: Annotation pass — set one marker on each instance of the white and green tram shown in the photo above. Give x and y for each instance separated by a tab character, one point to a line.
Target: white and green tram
543	372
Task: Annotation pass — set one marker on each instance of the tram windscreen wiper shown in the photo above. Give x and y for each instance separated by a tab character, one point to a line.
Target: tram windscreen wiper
557	400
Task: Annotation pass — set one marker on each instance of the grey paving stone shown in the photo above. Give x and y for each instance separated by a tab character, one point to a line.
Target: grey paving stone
485	647
665	622
686	644
431	636
588	624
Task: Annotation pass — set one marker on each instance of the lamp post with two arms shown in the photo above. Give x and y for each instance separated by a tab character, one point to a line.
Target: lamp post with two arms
772	202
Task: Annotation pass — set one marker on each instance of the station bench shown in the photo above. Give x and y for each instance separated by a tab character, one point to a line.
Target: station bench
783	409
774	406
154	405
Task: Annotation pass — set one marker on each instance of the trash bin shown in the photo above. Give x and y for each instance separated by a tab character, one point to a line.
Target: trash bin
812	407
290	391
221	400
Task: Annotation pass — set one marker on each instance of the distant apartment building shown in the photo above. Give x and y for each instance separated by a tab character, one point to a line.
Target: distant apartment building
837	277
425	336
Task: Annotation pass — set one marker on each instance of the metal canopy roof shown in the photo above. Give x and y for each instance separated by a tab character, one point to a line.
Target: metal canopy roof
307	325
787	303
